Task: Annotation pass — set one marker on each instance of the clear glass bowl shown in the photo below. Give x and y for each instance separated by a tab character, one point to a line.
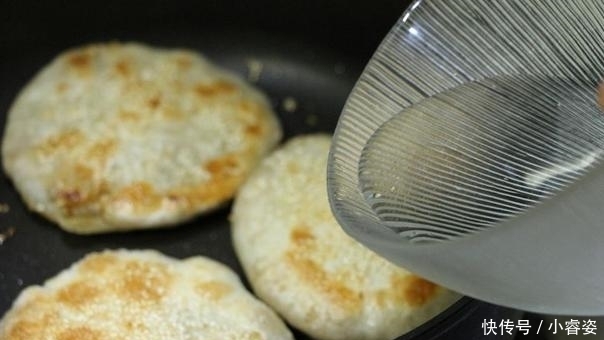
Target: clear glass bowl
439	45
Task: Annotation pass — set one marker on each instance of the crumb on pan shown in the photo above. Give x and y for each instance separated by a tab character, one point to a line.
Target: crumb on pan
289	104
254	70
4	208
311	120
6	234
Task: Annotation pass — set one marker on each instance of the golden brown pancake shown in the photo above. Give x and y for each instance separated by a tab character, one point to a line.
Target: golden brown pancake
125	136
301	263
141	295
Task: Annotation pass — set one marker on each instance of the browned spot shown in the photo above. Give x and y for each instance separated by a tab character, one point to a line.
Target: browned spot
131	116
122	68
301	235
100	151
77	294
62	87
98	263
412	290
25	330
252	114
332	285
171	113
72	196
141	195
79	333
381	298
220	87
312	274
79	60
253	335
208	194
83	200
253	130
79	193
183	62
248	106
226	176
419	291
293	168
134	326
214	290
223	166
80	63
143	282
82	172
154	102
173	197
129	325
61	141
33	318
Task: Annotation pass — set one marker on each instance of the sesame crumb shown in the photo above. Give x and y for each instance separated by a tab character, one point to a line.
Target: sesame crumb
311	120
289	104
6	234
254	70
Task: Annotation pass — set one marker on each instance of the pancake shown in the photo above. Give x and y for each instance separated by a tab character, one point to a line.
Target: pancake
141	295
111	137
301	263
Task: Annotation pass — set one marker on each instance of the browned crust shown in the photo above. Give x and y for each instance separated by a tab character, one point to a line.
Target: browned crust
403	289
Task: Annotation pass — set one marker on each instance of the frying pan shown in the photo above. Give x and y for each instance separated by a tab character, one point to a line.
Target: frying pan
310	52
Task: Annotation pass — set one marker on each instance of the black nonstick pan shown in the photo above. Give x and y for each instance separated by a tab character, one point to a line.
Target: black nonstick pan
309	53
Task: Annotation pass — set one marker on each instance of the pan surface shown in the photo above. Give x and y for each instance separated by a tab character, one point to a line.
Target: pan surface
305	55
